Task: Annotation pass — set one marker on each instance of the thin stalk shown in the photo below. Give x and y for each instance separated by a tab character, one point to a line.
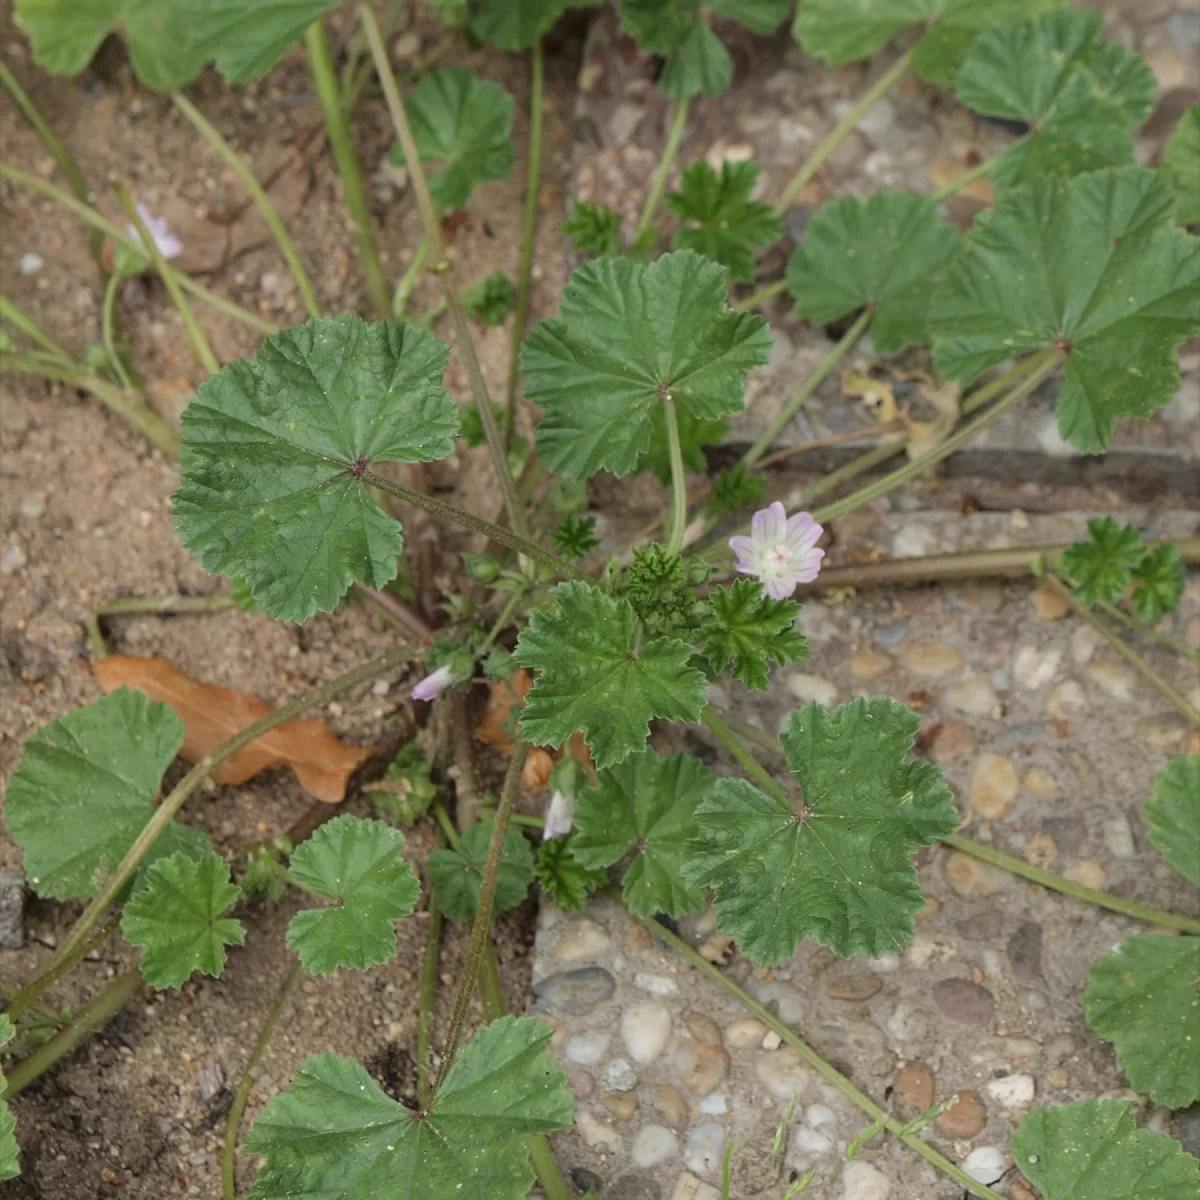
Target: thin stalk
533	175
395	610
353	94
174	801
127	405
249	181
834	138
149	247
107	313
443	268
1163	639
745	759
90	216
446	825
321	64
1117	904
27	996
408	281
233	1122
886	429
165	604
968	177
510	604
824	368
761	296
96	644
355	65
480	927
826	1070
1157	681
659	183
528	821
92	1016
429	982
19	319
678	521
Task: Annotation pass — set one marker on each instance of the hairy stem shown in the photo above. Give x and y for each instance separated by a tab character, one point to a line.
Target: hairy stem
340	142
429	982
834	138
658	184
1132	622
107	335
19	319
28	995
678	521
233	1121
745	759
408	281
761	296
249	181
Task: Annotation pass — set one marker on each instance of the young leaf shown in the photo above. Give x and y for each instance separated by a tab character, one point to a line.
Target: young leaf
265	877
1093	266
626	336
839	868
274	448
662	590
696	59
356	865
1080	97
491	300
888	252
10	1152
593	676
84	790
1143	999
408	785
1181	166
575	536
465	122
1173	813
647	804
562	877
335	1133
178	919
736	489
840	31
455	876
594	228
719	220
517	24
1094	1151
694	434
1102	566
750	630
1158	582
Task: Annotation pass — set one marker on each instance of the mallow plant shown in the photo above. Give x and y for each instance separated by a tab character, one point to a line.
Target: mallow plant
1081	278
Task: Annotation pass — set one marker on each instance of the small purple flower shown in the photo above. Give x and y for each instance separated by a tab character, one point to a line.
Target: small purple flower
781	550
169	246
432	684
560	814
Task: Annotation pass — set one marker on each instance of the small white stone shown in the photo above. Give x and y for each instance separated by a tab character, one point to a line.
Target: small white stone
886	964
704	1147
1066	699
821	1117
1083	644
1114	678
744	1033
1012	1091
783	1073
809	1142
31	263
861	1181
1118	836
914	540
994	786
974	696
645	1029
582	940
588	1048
653	1145
688	1187
14	558
986	1165
714	1105
878	119
619	1076
812	687
656	985
1034	668
596	1133
771	1040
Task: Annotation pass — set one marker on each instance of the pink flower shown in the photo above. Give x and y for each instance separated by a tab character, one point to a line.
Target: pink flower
560	814
781	550
169	246
431	685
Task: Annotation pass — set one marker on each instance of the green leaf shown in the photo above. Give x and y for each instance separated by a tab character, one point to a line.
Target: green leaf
1094	1151
1158	582
561	875
1101	567
266	876
736	489
662	590
85	788
464	122
840	31
1092	265
839	868
646	804
1181	166
335	1134
575	537
719	220
518	24
271	447
625	336
888	252
593	676
1079	97
1173	813
491	300
409	789
694	434
750	630
178	919
1145	999
356	866
10	1151
455	876
594	228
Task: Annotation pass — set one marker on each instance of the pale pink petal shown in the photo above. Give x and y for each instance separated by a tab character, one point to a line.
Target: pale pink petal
560	815
744	548
431	685
758	525
780	589
810	566
775	525
803	524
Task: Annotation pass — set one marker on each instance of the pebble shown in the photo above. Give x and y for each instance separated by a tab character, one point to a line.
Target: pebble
1037	781
970	877
994	786
953	743
821	1116
963	1001
1012	1091
855	987
908	1024
870	664
688	1187
645	1029
596	1133
812	687
1114	678
783	1073
584	939
1049	604
13	558
1034	668
771	1040
704	1148
934	660
1040	850
786	1000
1118	836
891	636
964	1120
654	1144
33	505
634	1186
1084	643
656	985
580	1082
1066	700
576	992
588	1048
1024	951
986	1165
583	1179
745	1033
1183	28
861	1181
670	1102
619	1076
622	1105
808	1143
31	263
974	696
1067	832
1087	872
715	1105
624	120
913	1090
701	1068
878	119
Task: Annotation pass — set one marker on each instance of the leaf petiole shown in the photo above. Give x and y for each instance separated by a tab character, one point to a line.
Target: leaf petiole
679	498
1132	622
658	184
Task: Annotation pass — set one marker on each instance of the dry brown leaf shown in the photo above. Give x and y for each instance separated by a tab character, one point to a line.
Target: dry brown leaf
876	394
211	714
536	771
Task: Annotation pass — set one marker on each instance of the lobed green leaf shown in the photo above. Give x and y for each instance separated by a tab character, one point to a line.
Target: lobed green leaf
1181	166
456	876
561	875
1173	813
748	630
1158	582
518	24
1101	567
10	1151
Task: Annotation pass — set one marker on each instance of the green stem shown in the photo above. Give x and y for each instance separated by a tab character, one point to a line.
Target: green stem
321	64
107	337
745	759
659	183
678	481
408	281
528	821
19	319
92	1016
429	982
90	216
510	604
250	182
28	995
968	177
826	1070
444	269
1157	681
834	138
233	1122
447	825
761	296
533	175
1132	622
353	93
1018	866
818	376
149	247
127	406
165	604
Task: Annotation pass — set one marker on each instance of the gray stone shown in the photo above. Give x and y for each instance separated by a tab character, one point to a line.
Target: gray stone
1183	28
1025	951
575	991
964	1001
893	635
12	898
1068	833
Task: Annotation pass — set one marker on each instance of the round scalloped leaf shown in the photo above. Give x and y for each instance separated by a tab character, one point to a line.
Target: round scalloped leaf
1100	568
1173	812
518	24
888	252
1092	265
1181	166
10	1151
273	449
455	876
